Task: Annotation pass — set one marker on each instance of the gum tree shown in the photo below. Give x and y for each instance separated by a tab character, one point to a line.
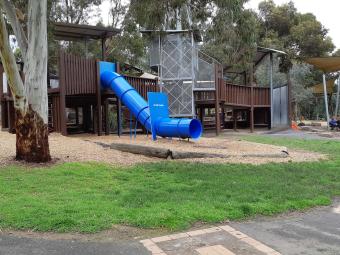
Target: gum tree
30	95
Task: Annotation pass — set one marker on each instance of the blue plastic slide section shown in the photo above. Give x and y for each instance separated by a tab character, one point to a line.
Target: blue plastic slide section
163	126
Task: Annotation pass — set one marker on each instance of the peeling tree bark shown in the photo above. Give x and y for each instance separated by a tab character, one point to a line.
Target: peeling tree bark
30	99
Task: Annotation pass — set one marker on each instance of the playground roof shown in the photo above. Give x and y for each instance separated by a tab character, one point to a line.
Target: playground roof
262	52
72	32
326	64
318	88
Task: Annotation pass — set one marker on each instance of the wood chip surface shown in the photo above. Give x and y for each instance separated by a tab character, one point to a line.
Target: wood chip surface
83	148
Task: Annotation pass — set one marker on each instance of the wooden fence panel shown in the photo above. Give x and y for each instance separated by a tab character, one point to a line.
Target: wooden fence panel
79	73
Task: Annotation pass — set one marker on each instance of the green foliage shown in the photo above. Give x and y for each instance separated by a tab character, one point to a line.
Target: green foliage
73	11
231	36
89	197
300	35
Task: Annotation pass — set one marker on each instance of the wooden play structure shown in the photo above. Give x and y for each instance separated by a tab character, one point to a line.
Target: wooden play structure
78	104
244	105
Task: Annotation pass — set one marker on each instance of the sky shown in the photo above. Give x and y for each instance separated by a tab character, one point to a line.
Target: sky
326	11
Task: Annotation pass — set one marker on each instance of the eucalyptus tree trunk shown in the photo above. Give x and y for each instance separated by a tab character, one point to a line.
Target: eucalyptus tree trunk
30	98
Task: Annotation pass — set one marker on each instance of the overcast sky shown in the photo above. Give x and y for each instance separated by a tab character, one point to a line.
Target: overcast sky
326	11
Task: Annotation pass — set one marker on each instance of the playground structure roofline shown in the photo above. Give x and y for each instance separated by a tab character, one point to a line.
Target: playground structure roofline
73	32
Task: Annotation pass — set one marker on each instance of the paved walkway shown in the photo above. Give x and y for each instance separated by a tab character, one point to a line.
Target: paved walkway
315	232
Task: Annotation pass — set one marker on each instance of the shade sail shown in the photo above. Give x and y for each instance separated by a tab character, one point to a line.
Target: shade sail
326	64
318	88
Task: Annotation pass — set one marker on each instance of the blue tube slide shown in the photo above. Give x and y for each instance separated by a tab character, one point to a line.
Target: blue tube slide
165	127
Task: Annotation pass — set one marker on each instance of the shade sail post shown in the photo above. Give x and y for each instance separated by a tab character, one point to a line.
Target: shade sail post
326	100
271	89
337	97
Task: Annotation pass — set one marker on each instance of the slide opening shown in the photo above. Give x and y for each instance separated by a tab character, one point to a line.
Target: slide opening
195	129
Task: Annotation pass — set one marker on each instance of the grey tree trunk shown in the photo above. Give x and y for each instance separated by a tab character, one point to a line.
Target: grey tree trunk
30	99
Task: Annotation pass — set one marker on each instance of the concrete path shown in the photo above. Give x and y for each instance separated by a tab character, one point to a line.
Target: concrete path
13	245
312	233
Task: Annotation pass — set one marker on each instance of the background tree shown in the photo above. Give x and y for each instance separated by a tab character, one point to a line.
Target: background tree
73	11
300	36
30	97
228	30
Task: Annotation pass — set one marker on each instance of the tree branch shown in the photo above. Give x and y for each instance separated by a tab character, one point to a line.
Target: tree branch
11	69
16	26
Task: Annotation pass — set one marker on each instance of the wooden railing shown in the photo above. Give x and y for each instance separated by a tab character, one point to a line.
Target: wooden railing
237	95
143	85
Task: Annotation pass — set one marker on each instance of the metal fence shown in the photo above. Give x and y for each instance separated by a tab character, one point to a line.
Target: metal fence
183	70
280	107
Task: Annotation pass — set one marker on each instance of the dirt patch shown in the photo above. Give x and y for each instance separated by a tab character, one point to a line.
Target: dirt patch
116	233
84	148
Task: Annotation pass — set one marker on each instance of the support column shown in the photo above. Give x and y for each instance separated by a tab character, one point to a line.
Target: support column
337	98
77	115
103	49
271	89
325	96
62	95
107	121
119	117
234	120
217	103
251	98
99	103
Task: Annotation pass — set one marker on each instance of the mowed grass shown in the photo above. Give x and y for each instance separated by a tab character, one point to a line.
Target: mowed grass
88	197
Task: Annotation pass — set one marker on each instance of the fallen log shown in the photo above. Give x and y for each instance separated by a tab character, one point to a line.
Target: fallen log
161	152
187	154
282	154
142	150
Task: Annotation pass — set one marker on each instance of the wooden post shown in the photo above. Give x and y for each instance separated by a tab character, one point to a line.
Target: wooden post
107	121
10	116
234	119
99	104
62	95
202	109
119	117
103	49
251	98
87	117
3	115
77	115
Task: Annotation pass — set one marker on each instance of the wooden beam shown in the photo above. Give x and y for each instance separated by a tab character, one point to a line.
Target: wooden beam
99	103
107	121
62	98
217	101
103	49
119	117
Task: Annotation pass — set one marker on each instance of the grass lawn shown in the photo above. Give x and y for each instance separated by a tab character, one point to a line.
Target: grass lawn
90	197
